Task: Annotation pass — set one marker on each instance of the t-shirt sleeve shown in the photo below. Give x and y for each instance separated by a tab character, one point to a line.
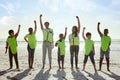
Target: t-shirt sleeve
69	36
26	35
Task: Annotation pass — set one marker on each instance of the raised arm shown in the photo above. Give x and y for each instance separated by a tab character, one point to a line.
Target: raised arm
35	26
41	24
18	31
65	33
83	34
78	24
98	29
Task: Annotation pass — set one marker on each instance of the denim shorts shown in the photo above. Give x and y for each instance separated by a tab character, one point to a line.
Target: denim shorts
30	52
60	57
105	53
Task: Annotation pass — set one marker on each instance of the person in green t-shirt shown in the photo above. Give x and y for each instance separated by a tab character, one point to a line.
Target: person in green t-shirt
89	49
61	48
31	40
11	44
105	47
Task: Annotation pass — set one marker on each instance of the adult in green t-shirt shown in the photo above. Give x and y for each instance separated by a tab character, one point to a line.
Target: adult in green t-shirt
105	47
11	44
61	48
47	41
30	38
89	49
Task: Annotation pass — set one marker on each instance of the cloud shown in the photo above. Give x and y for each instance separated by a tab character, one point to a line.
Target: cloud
7	20
10	7
52	5
83	5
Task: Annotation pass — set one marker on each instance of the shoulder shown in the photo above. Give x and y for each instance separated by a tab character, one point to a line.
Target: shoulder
57	41
70	35
27	35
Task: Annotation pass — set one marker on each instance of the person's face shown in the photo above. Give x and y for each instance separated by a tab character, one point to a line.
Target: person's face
47	25
61	36
12	34
30	30
89	36
73	30
106	32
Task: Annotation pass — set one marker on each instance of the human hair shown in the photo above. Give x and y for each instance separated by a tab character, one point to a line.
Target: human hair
76	30
88	33
46	23
10	31
106	30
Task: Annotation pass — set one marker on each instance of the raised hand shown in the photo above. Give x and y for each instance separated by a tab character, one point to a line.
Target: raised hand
19	25
77	17
34	21
98	23
83	28
66	28
40	15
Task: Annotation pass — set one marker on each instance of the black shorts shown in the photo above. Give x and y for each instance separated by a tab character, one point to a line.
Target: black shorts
60	57
30	52
91	55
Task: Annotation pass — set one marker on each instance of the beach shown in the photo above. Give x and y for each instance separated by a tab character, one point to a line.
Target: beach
54	74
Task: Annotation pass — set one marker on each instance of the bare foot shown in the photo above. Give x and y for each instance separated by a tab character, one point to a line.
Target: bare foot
108	70
99	69
77	67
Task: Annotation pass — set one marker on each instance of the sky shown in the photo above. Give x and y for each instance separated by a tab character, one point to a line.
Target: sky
60	14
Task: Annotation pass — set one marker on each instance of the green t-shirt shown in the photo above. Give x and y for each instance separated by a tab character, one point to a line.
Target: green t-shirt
12	43
31	40
105	42
61	46
88	46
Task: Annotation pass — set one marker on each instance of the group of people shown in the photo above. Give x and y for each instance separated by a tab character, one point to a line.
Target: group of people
48	43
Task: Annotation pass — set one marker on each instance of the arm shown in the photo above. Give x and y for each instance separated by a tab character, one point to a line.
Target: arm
41	22
65	33
6	47
18	31
78	24
98	29
25	38
35	26
83	34
55	44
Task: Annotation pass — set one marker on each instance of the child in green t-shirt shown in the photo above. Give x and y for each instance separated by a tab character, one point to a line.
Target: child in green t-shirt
105	47
61	48
31	40
89	49
11	44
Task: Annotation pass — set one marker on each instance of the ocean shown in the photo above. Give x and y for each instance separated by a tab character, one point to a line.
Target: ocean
115	45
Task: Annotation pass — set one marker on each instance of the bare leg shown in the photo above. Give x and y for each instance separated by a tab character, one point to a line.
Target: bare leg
100	63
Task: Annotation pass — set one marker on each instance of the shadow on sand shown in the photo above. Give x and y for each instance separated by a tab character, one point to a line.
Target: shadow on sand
20	76
77	75
42	75
96	76
112	75
61	75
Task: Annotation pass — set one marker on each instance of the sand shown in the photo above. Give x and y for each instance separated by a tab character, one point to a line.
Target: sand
54	74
